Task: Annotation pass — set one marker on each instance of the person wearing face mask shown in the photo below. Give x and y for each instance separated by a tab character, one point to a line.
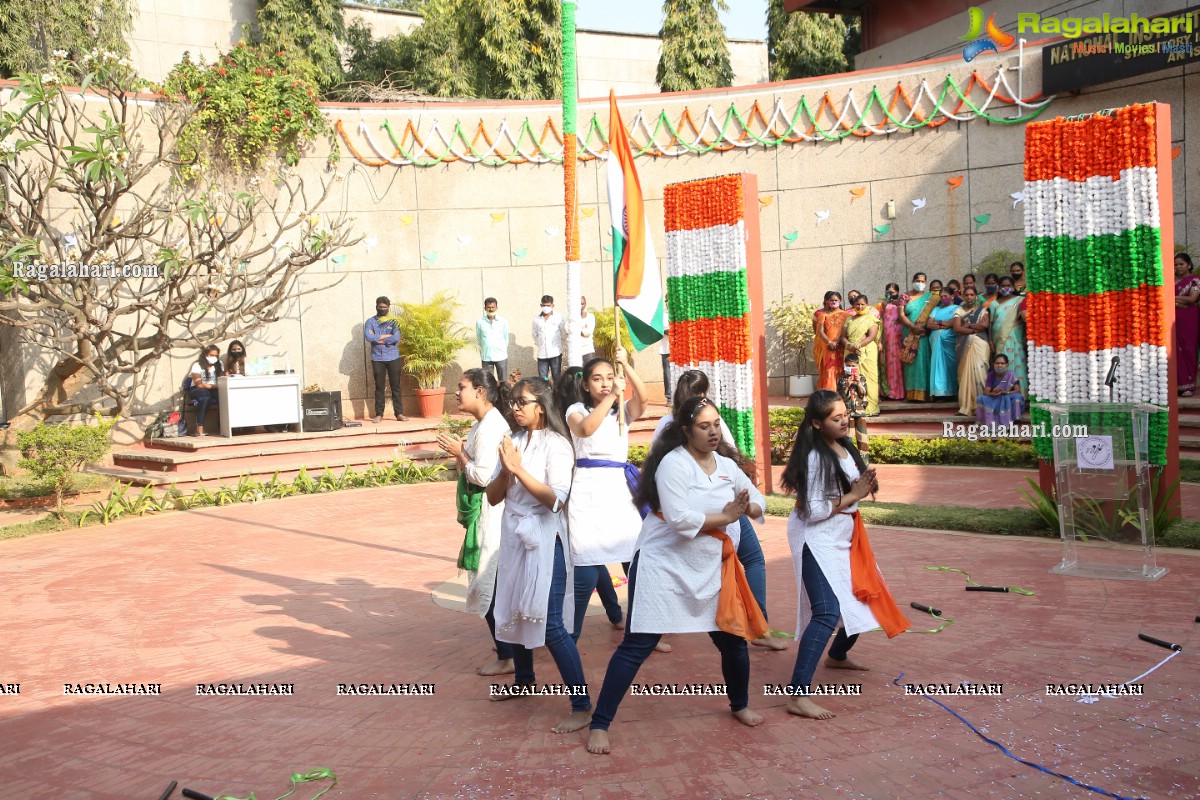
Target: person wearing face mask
1000	402
203	387
828	323
549	329
1008	328
235	358
891	368
491	332
991	287
861	339
383	334
914	349
1016	271
943	360
974	347
954	289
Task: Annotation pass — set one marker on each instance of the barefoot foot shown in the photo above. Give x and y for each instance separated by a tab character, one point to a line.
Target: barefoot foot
748	717
803	707
598	742
577	720
771	642
497	667
662	647
845	663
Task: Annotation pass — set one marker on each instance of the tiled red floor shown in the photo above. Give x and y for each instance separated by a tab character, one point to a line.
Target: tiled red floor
331	589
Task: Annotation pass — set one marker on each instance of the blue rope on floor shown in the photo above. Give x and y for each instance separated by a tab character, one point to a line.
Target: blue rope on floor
1010	754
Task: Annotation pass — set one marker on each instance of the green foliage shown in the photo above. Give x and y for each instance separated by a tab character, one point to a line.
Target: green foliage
55	452
1107	519
986	453
997	262
1189	470
785	424
805	45
309	34
249	108
430	338
1000	521
603	335
453	426
638	453
500	49
695	54
32	30
793	321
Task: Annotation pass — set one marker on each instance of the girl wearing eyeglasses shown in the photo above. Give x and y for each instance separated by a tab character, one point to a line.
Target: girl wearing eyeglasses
696	497
533	603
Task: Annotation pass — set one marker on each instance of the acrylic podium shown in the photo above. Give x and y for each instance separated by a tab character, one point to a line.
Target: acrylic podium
1104	480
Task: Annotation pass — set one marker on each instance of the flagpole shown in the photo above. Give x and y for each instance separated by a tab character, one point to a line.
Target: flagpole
570	95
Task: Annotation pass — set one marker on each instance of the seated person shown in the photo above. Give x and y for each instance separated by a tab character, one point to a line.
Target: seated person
203	386
235	358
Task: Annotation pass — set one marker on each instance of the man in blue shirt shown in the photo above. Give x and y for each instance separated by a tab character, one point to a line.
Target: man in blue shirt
384	337
491	331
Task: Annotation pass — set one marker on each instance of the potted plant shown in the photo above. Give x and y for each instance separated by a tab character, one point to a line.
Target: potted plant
793	321
429	340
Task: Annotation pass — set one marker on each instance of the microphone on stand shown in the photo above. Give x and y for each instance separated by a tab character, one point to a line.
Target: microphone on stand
1111	379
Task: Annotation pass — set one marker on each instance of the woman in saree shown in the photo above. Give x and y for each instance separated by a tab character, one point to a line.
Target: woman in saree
974	349
943	358
1187	323
862	337
828	323
914	317
891	368
1008	327
1000	402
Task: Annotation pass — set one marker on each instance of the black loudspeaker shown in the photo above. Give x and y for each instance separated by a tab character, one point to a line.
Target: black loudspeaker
322	411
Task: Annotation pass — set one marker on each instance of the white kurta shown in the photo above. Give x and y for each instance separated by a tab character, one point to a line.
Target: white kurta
828	537
604	522
483	462
548	457
678	578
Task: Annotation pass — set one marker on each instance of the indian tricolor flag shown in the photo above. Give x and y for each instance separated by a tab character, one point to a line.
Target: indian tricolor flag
639	289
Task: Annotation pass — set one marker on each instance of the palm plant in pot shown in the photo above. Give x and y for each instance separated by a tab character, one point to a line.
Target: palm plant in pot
429	341
793	321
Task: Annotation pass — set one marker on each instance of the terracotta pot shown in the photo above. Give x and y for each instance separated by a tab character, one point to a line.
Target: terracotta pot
431	401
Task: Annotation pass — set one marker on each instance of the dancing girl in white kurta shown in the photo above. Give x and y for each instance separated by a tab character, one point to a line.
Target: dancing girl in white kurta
478	457
604	522
675	580
532	601
829	477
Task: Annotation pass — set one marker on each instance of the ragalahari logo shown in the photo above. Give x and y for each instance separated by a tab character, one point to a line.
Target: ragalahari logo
983	37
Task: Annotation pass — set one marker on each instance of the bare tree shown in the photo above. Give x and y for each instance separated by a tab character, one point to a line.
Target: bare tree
109	260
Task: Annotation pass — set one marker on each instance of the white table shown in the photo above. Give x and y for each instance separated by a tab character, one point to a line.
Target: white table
247	401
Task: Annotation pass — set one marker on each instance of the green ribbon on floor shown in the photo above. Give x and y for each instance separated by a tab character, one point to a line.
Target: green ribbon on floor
945	624
320	774
1012	589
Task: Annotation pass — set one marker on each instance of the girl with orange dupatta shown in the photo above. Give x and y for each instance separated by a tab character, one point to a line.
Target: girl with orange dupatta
828	324
836	574
891	368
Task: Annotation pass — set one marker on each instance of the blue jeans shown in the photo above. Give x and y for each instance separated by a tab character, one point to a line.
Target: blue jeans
548	368
203	399
558	641
751	555
825	613
595	578
635	648
504	650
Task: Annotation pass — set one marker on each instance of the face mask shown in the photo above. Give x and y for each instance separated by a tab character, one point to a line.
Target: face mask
236	353
211	359
946	299
990	288
1000	370
381	312
491	314
547	311
1006	290
958	301
891	295
918	287
834	305
860	311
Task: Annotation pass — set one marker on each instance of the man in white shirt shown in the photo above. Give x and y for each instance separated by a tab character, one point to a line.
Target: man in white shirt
586	328
491	331
548	330
665	349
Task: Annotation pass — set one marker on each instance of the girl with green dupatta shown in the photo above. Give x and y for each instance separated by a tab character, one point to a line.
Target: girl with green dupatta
914	349
1008	329
478	457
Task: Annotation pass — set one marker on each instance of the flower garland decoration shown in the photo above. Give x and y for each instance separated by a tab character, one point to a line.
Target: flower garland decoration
707	295
1095	270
